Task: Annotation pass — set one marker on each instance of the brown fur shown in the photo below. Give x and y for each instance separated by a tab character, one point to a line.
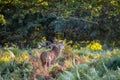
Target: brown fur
47	58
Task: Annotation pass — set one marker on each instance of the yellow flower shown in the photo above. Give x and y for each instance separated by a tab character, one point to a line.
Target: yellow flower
70	42
94	45
43	38
115	51
6	59
6	56
86	58
45	3
22	57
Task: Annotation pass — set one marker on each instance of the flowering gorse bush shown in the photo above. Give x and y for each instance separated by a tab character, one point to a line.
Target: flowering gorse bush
5	56
94	45
22	57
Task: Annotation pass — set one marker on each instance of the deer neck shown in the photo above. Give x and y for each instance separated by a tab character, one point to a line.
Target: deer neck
56	51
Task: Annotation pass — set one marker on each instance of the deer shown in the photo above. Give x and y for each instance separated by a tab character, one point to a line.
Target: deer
49	57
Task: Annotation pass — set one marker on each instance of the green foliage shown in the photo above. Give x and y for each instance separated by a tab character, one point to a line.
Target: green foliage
14	70
24	23
113	63
112	75
67	76
85	72
16	51
2	20
80	72
74	20
73	64
106	67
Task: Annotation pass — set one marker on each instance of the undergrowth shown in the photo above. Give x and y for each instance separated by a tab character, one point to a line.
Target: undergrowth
92	62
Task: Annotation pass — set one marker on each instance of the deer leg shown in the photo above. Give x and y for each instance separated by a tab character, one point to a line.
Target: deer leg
49	64
46	65
43	64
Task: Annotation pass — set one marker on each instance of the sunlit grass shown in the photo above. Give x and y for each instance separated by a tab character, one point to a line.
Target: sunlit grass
22	57
72	60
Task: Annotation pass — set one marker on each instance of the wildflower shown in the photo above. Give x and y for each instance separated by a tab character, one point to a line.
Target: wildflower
22	57
25	56
6	59
6	56
43	38
70	42
45	3
86	58
94	45
115	51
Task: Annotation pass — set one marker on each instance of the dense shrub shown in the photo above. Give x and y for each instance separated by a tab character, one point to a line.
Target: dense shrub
14	70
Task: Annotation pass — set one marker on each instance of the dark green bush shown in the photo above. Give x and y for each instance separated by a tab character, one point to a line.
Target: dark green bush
14	70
